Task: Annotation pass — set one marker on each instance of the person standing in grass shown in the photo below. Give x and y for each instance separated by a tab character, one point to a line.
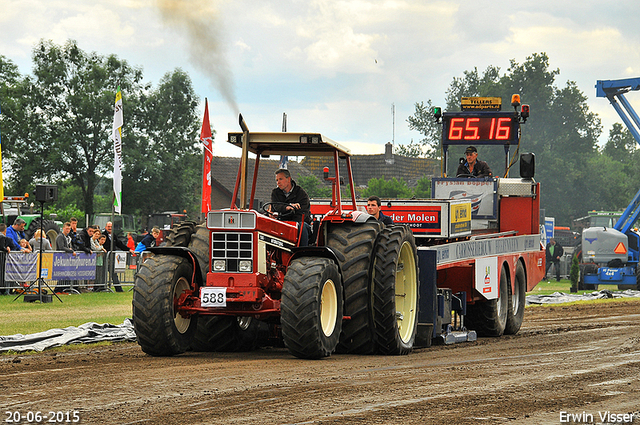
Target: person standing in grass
554	254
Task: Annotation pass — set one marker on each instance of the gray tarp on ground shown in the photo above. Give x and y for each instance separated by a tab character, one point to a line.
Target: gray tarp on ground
561	297
89	332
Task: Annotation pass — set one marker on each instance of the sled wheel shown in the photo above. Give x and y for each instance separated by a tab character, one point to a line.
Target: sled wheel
518	301
489	318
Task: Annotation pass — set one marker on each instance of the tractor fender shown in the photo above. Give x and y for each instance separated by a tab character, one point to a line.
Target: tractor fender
316	251
184	252
361	217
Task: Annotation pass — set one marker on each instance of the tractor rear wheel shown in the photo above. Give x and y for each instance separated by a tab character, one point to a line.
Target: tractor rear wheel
311	308
181	234
227	333
159	328
489	318
517	302
395	290
353	244
199	245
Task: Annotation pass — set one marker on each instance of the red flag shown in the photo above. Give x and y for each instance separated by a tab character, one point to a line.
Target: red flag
207	141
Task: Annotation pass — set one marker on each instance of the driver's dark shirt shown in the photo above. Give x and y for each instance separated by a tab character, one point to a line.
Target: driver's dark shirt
481	169
296	196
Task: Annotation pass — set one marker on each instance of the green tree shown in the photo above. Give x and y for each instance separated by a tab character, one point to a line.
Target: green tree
621	145
413	149
425	123
423	188
58	125
382	188
17	122
67	117
314	188
163	157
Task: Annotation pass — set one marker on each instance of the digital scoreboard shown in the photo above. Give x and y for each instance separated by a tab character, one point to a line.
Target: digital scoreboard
480	127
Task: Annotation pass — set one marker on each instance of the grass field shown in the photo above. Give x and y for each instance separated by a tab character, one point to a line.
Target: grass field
74	310
551	286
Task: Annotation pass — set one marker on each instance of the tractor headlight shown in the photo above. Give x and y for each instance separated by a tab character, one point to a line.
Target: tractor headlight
219	265
245	266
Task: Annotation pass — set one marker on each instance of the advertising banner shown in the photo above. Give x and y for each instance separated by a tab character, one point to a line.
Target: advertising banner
487	277
481	193
67	266
21	267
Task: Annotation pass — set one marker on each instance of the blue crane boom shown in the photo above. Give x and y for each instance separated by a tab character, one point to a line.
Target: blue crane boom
614	90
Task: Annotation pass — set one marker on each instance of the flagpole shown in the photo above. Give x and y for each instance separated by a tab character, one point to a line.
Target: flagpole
206	138
203	214
1	182
116	135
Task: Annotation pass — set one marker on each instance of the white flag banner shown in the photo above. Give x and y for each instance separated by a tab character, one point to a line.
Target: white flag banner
117	151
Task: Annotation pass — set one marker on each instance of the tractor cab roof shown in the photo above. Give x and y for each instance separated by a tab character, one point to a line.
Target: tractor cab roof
294	144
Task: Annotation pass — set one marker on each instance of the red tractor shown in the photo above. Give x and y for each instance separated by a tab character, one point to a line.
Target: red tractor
354	289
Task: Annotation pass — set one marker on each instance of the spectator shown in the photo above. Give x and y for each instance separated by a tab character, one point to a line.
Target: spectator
131	244
96	245
6	244
16	232
83	241
24	246
116	244
373	208
148	241
63	243
73	233
103	241
38	240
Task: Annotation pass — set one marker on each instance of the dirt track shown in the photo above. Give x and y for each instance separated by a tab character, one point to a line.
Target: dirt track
578	359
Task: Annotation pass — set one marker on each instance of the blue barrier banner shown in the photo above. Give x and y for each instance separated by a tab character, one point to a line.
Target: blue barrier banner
66	266
21	267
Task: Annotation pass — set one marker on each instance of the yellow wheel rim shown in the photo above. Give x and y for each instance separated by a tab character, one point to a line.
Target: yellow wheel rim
328	307
406	292
182	324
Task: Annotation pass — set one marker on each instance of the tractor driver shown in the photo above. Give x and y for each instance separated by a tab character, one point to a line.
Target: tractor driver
297	199
473	167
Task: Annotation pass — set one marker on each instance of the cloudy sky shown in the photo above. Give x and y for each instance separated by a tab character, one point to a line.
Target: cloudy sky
335	67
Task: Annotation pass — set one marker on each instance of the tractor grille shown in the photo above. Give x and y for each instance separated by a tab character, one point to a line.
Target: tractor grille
230	250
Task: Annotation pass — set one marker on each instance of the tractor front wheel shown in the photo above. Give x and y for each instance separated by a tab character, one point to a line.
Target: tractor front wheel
159	328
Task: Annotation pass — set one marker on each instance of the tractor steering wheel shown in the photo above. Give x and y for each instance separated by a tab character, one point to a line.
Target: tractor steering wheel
281	216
